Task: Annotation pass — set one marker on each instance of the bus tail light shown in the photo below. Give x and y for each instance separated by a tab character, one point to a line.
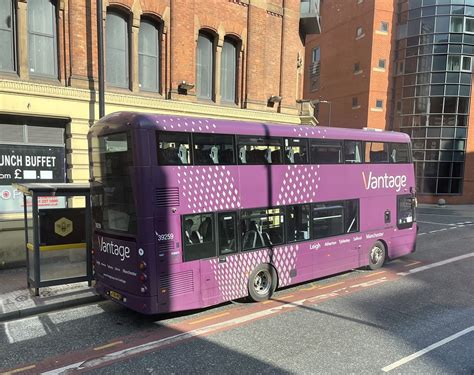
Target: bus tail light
143	289
142	265
143	277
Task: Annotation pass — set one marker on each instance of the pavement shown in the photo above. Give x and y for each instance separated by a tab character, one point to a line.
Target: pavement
18	301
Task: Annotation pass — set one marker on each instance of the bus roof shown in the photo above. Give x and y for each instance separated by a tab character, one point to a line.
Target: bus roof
120	121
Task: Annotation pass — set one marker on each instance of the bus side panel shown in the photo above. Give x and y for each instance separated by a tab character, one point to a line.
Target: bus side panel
403	242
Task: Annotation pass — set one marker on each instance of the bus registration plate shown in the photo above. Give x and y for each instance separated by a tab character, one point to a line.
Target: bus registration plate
115	295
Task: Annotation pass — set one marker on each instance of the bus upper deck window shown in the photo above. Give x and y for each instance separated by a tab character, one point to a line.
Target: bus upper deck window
296	151
212	149
259	150
376	152
326	151
399	153
352	152
173	148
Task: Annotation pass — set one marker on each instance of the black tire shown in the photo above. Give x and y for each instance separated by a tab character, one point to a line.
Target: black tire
262	283
377	255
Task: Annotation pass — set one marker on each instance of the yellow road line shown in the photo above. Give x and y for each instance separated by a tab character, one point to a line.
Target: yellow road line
289	296
311	288
412	264
374	274
331	285
18	370
267	302
108	345
209	318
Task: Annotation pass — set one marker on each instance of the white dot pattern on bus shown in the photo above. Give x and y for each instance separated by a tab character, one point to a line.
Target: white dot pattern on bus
299	184
232	276
307	131
208	189
178	123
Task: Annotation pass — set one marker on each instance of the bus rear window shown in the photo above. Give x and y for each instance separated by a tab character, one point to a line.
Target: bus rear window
113	206
399	153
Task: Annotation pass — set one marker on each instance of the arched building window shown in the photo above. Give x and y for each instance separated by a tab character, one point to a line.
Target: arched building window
229	70
117	59
42	38
205	66
149	56
7	36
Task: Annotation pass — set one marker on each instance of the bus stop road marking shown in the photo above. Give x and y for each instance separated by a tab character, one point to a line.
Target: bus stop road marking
208	318
109	345
427	349
331	285
18	370
374	274
432	222
437	264
412	264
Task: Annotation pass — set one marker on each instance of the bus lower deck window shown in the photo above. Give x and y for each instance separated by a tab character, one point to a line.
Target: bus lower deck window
261	228
198	236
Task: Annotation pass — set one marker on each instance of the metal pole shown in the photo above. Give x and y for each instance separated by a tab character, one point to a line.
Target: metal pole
100	43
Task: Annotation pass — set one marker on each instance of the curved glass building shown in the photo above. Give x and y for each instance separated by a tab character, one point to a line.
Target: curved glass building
434	53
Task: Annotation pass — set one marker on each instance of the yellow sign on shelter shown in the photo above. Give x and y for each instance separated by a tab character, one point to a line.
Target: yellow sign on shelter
63	227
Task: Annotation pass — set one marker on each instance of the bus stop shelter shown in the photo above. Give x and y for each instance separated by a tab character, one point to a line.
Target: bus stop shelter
58	244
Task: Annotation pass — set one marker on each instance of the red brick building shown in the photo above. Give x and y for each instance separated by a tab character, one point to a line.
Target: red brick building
401	65
237	59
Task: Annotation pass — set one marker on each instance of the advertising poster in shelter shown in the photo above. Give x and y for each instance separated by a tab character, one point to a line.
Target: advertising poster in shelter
28	164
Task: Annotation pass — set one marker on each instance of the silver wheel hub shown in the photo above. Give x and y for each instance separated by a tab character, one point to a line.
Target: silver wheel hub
376	254
262	282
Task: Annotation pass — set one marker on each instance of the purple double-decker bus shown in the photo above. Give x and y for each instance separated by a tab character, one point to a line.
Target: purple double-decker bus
192	212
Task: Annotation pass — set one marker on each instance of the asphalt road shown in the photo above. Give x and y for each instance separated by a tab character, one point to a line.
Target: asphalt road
416	315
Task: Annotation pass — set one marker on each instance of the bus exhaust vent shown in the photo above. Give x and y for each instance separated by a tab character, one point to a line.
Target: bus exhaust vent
167	197
165	246
178	283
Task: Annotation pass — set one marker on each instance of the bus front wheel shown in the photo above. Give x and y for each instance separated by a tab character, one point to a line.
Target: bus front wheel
262	283
377	255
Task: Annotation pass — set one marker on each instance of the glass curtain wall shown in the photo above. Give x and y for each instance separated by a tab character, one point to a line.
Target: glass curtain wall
434	53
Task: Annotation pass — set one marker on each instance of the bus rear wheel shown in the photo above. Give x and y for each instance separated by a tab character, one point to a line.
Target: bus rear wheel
377	255
262	283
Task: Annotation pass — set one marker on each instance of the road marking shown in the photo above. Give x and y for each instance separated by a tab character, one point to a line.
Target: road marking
267	302
412	264
376	273
427	349
432	222
208	318
437	264
331	285
108	345
289	296
311	288
16	371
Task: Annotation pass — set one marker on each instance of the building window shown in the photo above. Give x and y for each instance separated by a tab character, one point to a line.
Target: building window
384	26
229	71
355	102
315	69
469	25
205	67
381	64
7	36
149	56
356	67
457	63
379	104
117	47
456	24
42	39
359	32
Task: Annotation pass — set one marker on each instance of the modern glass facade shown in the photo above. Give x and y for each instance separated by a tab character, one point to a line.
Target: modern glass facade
434	57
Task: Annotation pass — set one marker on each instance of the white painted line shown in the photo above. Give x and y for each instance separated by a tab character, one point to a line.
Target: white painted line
437	264
421	234
432	222
442	229
427	349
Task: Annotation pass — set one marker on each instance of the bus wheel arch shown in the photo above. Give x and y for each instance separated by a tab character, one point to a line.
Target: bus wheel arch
262	282
378	255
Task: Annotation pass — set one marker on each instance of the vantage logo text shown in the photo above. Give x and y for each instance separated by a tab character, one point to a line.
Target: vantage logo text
114	249
384	181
